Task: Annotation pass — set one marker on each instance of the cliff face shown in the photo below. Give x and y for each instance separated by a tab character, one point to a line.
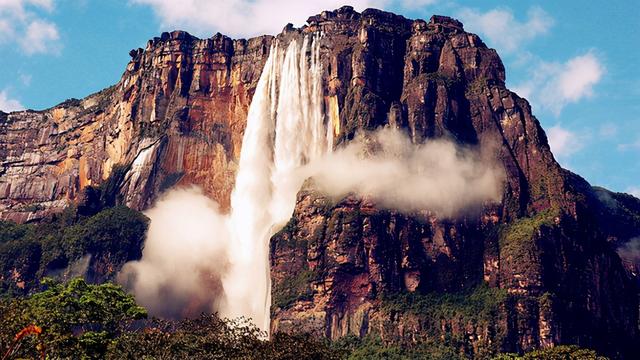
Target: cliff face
337	268
176	116
537	269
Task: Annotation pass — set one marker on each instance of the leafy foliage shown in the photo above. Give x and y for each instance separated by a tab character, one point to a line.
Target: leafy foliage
441	79
564	352
439	313
293	288
29	252
481	303
77	319
208	337
372	347
518	239
477	86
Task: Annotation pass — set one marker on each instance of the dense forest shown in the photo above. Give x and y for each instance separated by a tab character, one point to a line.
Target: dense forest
60	301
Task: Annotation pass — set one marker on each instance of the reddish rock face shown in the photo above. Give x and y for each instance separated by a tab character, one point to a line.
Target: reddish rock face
176	116
543	257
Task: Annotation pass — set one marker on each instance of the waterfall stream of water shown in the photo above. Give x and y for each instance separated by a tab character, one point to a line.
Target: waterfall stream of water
286	128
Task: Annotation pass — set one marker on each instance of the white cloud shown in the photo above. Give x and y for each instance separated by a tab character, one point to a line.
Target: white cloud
6	30
437	175
25	79
41	37
237	18
502	30
416	4
22	22
578	77
564	142
553	85
7	104
634	190
21	8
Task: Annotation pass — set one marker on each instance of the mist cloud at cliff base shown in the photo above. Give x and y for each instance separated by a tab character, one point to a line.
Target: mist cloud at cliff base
184	256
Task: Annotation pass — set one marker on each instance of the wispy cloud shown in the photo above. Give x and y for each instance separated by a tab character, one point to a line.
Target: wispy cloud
417	4
554	85
630	146
634	190
630	251
23	22
41	37
25	79
608	130
231	17
501	28
565	142
8	104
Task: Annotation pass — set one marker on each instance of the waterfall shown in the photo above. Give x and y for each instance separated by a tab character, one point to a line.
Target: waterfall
286	128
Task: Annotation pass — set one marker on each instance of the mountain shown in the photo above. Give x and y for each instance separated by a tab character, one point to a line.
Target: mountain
538	269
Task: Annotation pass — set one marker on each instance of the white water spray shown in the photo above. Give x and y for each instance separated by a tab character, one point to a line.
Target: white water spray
285	130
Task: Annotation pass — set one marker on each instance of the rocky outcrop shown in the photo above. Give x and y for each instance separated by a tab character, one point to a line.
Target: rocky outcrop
176	116
537	269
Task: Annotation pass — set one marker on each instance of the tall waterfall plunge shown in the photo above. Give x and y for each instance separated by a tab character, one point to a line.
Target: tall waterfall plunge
286	128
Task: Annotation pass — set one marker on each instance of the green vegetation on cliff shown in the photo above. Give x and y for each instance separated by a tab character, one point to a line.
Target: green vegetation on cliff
517	239
292	289
29	252
563	352
373	348
471	322
481	304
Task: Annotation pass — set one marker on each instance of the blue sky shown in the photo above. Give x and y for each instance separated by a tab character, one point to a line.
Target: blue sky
577	63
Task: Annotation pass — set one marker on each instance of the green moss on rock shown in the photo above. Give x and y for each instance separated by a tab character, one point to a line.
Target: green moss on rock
292	288
518	239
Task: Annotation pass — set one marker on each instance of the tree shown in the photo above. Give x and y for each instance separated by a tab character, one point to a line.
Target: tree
77	319
563	352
